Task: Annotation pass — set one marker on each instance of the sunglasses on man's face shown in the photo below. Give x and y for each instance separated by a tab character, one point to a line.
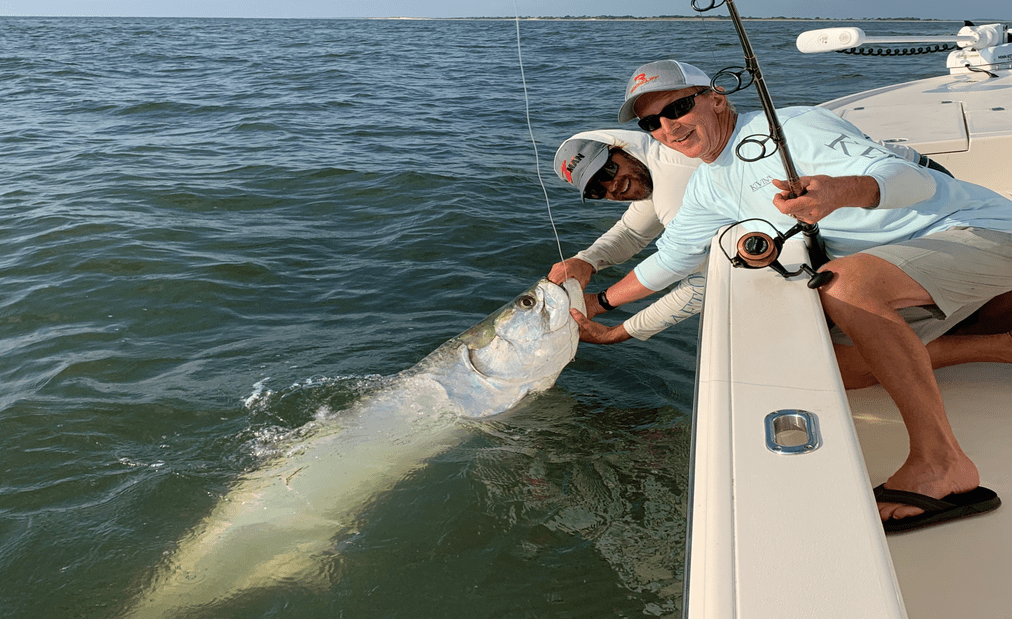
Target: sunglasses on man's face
673	110
595	188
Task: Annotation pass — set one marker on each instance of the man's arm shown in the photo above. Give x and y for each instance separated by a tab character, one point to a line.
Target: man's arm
627	290
629	236
863	173
683	301
825	194
891	186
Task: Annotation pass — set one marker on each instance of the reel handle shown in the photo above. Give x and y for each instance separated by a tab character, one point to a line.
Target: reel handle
820	279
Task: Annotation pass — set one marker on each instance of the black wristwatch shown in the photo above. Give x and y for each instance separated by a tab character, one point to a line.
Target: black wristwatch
602	299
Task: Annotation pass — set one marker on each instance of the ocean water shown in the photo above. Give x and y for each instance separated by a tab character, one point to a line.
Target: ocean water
215	229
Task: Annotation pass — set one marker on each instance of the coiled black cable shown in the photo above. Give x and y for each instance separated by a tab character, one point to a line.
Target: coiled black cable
897	51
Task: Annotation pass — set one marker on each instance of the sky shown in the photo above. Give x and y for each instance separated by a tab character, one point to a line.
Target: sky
837	9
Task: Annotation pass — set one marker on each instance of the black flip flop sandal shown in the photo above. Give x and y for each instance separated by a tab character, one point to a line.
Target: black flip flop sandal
936	511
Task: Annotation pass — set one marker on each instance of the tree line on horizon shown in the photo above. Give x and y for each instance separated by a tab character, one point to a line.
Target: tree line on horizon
709	17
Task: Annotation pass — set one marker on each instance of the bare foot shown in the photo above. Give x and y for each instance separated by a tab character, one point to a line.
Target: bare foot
933	479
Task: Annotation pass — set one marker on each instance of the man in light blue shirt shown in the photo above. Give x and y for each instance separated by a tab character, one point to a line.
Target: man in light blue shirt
901	236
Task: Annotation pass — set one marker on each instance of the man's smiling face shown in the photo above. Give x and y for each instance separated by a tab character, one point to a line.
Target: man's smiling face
696	134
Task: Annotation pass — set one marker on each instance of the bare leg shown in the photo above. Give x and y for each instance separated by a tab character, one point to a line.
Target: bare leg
994	317
863	300
945	351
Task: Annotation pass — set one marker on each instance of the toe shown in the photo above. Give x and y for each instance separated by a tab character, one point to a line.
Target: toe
897	511
906	511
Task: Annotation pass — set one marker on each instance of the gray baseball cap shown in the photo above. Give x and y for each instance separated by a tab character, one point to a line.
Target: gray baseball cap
578	160
658	77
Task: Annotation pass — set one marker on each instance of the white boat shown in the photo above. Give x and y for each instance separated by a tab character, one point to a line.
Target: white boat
783	522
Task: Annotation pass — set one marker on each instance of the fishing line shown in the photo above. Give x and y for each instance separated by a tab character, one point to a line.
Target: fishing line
530	130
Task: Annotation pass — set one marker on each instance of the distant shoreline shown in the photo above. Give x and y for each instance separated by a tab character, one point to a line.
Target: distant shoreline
674	18
978	20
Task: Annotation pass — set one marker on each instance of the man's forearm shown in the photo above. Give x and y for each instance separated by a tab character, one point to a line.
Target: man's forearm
862	191
627	290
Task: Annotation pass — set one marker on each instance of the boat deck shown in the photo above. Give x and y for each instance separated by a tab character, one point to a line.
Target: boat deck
961	568
953	118
958	569
796	534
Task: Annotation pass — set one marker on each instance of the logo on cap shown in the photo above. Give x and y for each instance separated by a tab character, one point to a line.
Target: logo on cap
566	173
640	80
570	165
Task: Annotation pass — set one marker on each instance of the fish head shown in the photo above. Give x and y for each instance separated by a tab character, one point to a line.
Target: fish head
524	345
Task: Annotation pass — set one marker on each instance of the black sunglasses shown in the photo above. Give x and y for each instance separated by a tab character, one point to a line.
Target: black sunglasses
673	110
595	188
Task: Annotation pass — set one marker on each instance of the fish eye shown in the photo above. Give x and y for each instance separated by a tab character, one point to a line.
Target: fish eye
527	301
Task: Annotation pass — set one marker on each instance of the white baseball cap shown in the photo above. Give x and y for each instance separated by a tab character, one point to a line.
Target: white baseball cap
657	77
578	160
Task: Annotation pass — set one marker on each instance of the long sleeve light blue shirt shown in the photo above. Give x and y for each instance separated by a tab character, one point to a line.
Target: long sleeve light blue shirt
914	201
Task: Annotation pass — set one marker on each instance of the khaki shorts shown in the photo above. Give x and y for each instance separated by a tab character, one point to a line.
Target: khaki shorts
961	268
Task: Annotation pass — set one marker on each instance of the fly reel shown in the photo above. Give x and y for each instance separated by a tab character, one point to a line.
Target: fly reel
758	250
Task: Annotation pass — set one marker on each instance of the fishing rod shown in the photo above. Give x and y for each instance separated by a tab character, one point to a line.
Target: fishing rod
756	249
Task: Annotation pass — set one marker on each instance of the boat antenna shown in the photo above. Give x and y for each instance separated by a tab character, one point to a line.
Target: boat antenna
813	241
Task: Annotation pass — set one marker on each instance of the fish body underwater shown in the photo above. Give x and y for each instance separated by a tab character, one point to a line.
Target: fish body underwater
277	523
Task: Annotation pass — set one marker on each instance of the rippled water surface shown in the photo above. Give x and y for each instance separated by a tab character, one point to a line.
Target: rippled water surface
215	230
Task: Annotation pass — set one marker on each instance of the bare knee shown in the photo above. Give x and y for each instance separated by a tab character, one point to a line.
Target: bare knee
868	283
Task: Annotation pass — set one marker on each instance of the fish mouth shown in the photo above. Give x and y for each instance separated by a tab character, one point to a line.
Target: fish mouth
575	293
555	307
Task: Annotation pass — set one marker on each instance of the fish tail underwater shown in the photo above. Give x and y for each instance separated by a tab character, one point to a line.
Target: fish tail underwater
277	523
228	240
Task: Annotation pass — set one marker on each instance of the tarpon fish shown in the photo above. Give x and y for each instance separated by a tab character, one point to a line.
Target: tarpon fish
276	525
